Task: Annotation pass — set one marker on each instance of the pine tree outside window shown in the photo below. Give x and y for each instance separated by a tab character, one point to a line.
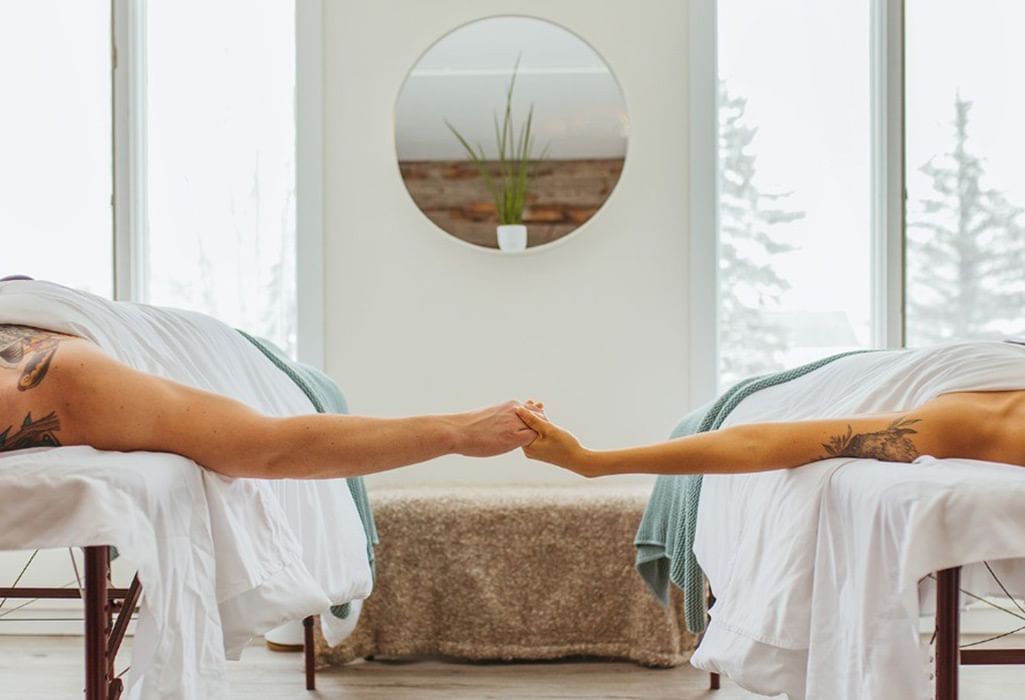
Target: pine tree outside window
966	183
794	177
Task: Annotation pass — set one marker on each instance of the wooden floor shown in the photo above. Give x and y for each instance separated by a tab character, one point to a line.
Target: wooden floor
49	668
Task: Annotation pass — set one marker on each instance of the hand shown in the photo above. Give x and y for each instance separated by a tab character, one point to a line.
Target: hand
552	444
492	431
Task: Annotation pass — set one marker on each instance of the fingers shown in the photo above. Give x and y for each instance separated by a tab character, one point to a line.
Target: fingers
533	421
525	437
535	406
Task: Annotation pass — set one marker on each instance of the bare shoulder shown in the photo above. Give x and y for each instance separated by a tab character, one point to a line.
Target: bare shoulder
986	425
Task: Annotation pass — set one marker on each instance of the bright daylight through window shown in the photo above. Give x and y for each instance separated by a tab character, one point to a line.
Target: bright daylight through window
220	144
794	168
965	180
55	143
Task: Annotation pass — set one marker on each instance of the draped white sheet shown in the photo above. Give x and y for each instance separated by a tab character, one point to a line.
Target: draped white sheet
220	560
816	570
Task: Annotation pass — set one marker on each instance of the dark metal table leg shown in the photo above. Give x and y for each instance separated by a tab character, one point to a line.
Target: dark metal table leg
309	654
948	632
96	572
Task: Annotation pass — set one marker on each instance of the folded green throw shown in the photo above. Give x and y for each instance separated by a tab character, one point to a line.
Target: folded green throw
326	397
665	537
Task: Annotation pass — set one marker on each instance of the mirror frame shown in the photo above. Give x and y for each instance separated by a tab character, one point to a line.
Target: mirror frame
484	249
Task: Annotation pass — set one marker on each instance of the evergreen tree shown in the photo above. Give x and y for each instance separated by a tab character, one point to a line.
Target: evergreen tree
750	341
966	250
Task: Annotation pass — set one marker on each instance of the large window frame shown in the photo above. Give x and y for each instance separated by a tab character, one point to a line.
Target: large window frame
128	47
887	187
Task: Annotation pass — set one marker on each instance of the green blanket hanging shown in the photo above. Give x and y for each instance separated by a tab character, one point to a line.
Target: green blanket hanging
326	397
665	537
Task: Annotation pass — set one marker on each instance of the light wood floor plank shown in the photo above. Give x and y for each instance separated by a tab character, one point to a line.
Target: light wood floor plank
50	668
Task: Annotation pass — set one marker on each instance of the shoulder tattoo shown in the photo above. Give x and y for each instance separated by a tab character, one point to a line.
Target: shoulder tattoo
32	433
29	349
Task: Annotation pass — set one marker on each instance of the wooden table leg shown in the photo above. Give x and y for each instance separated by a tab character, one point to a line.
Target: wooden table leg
948	633
309	654
96	572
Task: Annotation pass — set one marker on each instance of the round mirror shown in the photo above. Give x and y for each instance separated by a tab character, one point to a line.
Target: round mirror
511	132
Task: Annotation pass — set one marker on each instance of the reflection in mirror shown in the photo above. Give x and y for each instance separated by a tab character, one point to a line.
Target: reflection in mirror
510	132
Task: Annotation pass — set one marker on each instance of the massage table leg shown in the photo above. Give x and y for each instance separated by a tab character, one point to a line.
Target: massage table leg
948	633
308	653
96	611
104	632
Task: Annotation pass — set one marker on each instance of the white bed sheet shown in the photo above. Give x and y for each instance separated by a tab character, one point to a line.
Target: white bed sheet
280	550
816	569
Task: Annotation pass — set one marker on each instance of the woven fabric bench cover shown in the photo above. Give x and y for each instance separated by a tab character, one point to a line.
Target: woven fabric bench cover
509	572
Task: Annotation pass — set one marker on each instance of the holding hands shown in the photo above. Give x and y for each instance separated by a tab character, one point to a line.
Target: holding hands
498	429
552	444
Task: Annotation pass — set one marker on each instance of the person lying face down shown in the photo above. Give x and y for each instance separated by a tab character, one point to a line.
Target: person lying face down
58	389
983	425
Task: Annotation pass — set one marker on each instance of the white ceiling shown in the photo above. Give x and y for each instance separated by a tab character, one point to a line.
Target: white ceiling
579	110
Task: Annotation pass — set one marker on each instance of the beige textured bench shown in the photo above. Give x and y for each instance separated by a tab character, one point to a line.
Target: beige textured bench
502	573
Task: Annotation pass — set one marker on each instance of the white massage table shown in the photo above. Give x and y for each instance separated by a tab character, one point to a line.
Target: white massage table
219	560
818	572
935	523
828	604
153	509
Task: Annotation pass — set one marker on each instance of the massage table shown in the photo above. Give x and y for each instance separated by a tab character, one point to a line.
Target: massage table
819	573
942	531
219	560
150	507
107	612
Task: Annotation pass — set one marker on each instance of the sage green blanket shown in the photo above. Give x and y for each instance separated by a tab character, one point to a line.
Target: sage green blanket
665	537
326	397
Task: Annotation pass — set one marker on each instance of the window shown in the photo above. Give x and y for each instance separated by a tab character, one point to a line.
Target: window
794	183
55	143
216	182
220	163
56	221
216	179
965	180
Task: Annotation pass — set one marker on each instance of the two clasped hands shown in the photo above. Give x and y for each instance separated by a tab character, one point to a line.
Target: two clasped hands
511	425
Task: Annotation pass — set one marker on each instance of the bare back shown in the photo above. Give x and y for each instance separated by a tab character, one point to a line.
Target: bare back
30	407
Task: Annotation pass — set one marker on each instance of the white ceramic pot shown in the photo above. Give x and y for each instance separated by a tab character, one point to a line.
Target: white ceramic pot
512	237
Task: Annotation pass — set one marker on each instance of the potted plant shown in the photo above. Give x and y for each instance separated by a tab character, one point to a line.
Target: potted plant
515	168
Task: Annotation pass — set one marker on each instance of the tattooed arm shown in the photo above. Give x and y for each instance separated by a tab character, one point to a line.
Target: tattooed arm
940	428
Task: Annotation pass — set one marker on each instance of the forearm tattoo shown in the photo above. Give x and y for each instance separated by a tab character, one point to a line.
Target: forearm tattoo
889	445
30	348
32	433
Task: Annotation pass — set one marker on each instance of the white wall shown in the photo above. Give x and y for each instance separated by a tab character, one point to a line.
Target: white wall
417	322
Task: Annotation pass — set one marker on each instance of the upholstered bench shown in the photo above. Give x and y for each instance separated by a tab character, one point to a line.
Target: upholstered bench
512	573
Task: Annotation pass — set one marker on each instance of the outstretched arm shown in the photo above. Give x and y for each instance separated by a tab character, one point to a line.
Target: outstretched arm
896	437
95	400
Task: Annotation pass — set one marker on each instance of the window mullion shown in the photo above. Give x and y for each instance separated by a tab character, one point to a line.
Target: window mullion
703	204
888	180
129	148
309	185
